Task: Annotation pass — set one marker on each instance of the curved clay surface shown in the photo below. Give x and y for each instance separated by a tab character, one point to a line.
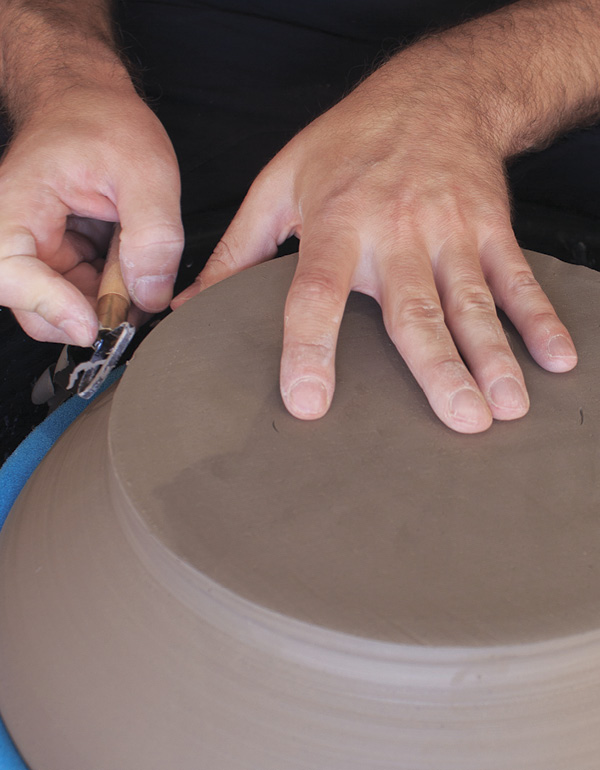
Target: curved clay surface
194	579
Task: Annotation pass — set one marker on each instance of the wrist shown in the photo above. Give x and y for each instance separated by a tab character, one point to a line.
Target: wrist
44	58
437	94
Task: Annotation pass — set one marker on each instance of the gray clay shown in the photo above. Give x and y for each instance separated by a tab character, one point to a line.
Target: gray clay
195	579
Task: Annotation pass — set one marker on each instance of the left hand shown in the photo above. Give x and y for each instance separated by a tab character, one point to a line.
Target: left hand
399	192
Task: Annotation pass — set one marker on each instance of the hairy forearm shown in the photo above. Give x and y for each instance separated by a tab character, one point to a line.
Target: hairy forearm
529	71
49	46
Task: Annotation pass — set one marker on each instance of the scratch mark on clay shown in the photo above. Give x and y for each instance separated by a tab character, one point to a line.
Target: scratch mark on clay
581	415
275	428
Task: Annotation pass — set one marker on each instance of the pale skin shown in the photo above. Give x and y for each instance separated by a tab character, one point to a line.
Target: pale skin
398	192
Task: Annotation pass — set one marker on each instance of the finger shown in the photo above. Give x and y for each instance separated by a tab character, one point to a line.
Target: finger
27	284
39	329
313	312
415	322
152	238
517	292
86	277
264	221
74	249
97	231
470	315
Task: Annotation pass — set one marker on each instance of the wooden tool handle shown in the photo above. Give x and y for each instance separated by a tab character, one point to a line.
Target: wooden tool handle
113	298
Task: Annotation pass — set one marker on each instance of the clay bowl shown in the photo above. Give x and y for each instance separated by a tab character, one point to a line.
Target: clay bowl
195	579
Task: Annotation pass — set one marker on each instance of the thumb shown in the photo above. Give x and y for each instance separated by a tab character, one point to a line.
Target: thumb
264	221
151	239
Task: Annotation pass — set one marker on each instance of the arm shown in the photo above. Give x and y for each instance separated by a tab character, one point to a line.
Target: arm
399	192
86	150
49	47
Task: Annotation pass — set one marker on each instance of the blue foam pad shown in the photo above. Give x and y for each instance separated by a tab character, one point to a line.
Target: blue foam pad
13	475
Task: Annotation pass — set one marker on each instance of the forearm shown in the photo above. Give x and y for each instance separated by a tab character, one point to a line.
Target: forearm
528	72
49	46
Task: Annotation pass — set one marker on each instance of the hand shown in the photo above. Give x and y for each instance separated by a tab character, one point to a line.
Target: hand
398	192
90	157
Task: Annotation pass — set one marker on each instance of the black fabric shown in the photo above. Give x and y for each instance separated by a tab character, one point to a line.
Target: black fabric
234	80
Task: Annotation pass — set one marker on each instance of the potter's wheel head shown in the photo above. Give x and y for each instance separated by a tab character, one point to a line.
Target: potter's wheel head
193	578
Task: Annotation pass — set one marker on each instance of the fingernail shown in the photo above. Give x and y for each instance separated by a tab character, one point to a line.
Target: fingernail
153	292
468	406
308	396
560	347
81	333
507	393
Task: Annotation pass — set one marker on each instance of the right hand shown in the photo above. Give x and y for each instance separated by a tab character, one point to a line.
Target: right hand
91	157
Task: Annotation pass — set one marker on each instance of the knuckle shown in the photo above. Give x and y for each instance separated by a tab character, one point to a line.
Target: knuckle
472	299
405	205
17	243
168	236
317	353
419	311
545	319
162	172
338	210
522	283
223	254
450	370
319	288
417	319
47	299
495	224
499	362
